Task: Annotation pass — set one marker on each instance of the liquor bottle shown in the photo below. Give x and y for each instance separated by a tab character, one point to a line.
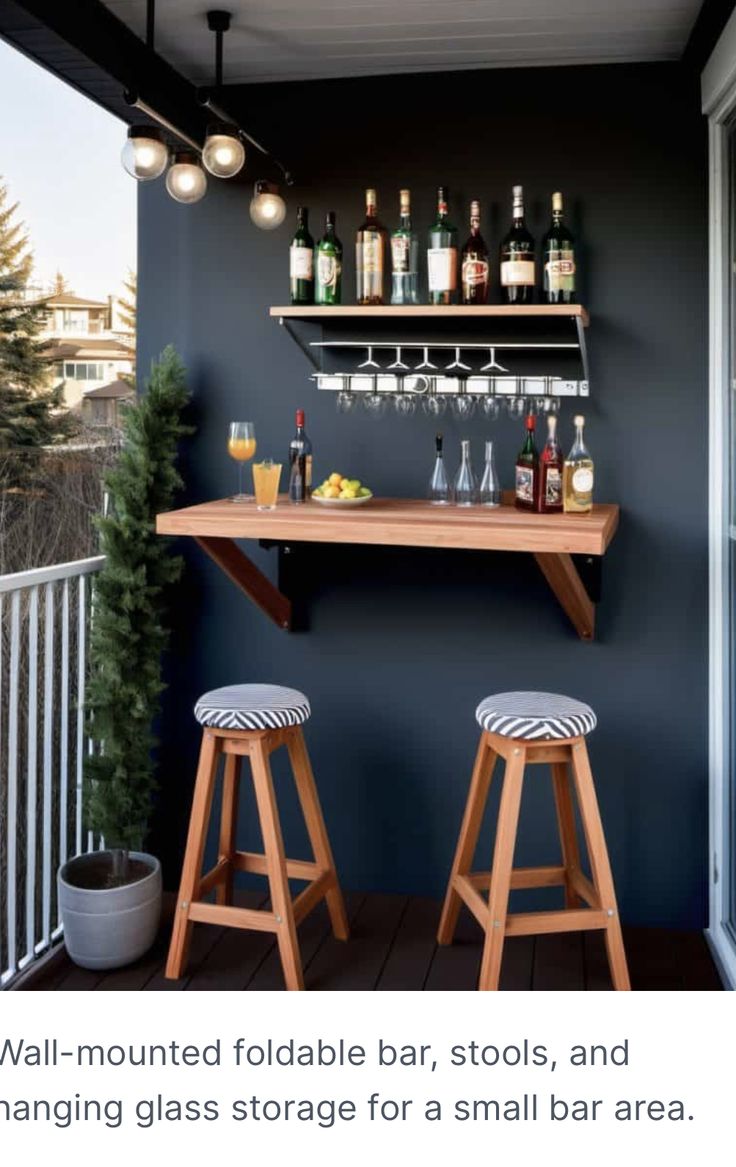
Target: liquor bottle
550	471
577	474
329	265
490	487
300	462
439	486
475	261
442	255
518	269
370	254
527	470
558	256
465	489
404	257
301	260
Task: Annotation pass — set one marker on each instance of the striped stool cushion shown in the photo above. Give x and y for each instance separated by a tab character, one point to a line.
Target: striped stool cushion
252	707
535	716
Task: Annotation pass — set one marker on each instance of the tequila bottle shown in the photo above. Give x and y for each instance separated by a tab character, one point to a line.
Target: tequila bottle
577	475
439	484
404	257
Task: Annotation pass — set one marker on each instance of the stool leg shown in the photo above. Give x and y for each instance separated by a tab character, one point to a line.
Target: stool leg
566	826
306	789
599	863
503	858
228	824
273	845
485	760
192	868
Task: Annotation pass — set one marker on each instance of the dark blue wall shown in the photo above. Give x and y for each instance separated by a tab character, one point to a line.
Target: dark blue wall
402	644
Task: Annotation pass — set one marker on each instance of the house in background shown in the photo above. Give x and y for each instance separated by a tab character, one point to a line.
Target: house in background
104	406
89	345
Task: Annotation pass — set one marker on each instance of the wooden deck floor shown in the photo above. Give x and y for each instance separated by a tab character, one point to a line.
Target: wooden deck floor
392	947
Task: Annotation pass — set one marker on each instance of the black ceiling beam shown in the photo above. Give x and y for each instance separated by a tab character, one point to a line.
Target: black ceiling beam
103	40
709	24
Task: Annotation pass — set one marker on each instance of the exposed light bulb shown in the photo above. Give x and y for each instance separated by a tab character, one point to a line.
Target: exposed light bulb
186	181
145	154
223	154
267	208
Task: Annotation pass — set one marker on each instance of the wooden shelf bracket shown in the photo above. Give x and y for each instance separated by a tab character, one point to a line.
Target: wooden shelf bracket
249	578
563	577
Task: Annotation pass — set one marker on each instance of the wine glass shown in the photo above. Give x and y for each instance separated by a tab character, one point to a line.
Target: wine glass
241	446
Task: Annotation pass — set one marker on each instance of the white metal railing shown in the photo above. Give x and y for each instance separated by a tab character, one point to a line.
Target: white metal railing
44	627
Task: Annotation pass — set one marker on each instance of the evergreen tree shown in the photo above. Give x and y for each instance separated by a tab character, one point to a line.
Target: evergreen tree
30	414
128	308
60	284
129	632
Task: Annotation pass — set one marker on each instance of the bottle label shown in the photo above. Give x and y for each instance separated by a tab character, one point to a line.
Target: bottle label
582	480
560	271
553	487
517	272
370	252
328	270
524	484
475	272
301	263
400	253
442	269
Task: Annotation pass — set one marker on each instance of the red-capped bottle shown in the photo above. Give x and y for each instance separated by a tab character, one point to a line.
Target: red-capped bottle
551	462
300	462
527	470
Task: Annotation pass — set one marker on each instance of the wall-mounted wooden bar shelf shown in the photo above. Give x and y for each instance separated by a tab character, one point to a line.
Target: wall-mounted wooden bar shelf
552	539
429	311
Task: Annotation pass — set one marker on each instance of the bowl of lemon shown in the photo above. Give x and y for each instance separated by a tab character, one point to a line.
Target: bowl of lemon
340	491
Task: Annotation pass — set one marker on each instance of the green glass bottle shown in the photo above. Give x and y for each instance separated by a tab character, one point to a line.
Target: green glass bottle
328	288
301	260
442	255
527	470
558	250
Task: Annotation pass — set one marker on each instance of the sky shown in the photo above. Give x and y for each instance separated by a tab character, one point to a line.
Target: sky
60	159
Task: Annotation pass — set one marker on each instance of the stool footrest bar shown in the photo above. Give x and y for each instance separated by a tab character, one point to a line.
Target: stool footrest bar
567	920
295	868
228	917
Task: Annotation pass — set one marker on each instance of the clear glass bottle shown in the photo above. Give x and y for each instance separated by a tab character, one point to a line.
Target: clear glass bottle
578	475
490	487
439	484
465	491
442	255
404	257
370	254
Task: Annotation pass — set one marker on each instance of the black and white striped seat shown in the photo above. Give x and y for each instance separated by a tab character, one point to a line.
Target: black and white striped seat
252	707
535	716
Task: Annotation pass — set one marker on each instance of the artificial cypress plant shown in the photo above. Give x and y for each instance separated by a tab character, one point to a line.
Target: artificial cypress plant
129	632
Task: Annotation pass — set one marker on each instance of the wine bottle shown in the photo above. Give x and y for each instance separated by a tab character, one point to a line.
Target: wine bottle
577	475
518	268
370	254
475	261
527	470
300	462
404	257
328	289
558	252
301	260
442	255
550	471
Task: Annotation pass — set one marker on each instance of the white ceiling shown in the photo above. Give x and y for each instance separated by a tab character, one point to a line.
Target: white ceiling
282	40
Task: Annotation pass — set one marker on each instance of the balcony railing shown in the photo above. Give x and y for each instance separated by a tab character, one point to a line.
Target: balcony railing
44	633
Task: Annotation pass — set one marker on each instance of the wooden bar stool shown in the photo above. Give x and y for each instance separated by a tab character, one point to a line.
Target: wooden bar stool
523	729
252	721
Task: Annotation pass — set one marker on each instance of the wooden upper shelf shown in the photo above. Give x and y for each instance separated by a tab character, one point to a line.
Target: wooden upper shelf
400	523
429	311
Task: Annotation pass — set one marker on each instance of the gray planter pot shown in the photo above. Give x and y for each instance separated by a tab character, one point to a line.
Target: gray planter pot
110	927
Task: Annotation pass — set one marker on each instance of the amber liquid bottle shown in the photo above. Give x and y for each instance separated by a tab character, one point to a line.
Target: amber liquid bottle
370	254
550	471
527	471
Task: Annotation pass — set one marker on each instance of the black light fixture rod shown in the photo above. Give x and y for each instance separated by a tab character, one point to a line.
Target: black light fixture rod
205	98
133	99
218	22
150	24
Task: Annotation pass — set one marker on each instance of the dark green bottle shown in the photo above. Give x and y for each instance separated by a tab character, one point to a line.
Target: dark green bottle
527	470
301	260
558	252
328	288
442	255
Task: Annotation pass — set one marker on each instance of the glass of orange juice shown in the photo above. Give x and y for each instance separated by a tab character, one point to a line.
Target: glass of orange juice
241	445
266	477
